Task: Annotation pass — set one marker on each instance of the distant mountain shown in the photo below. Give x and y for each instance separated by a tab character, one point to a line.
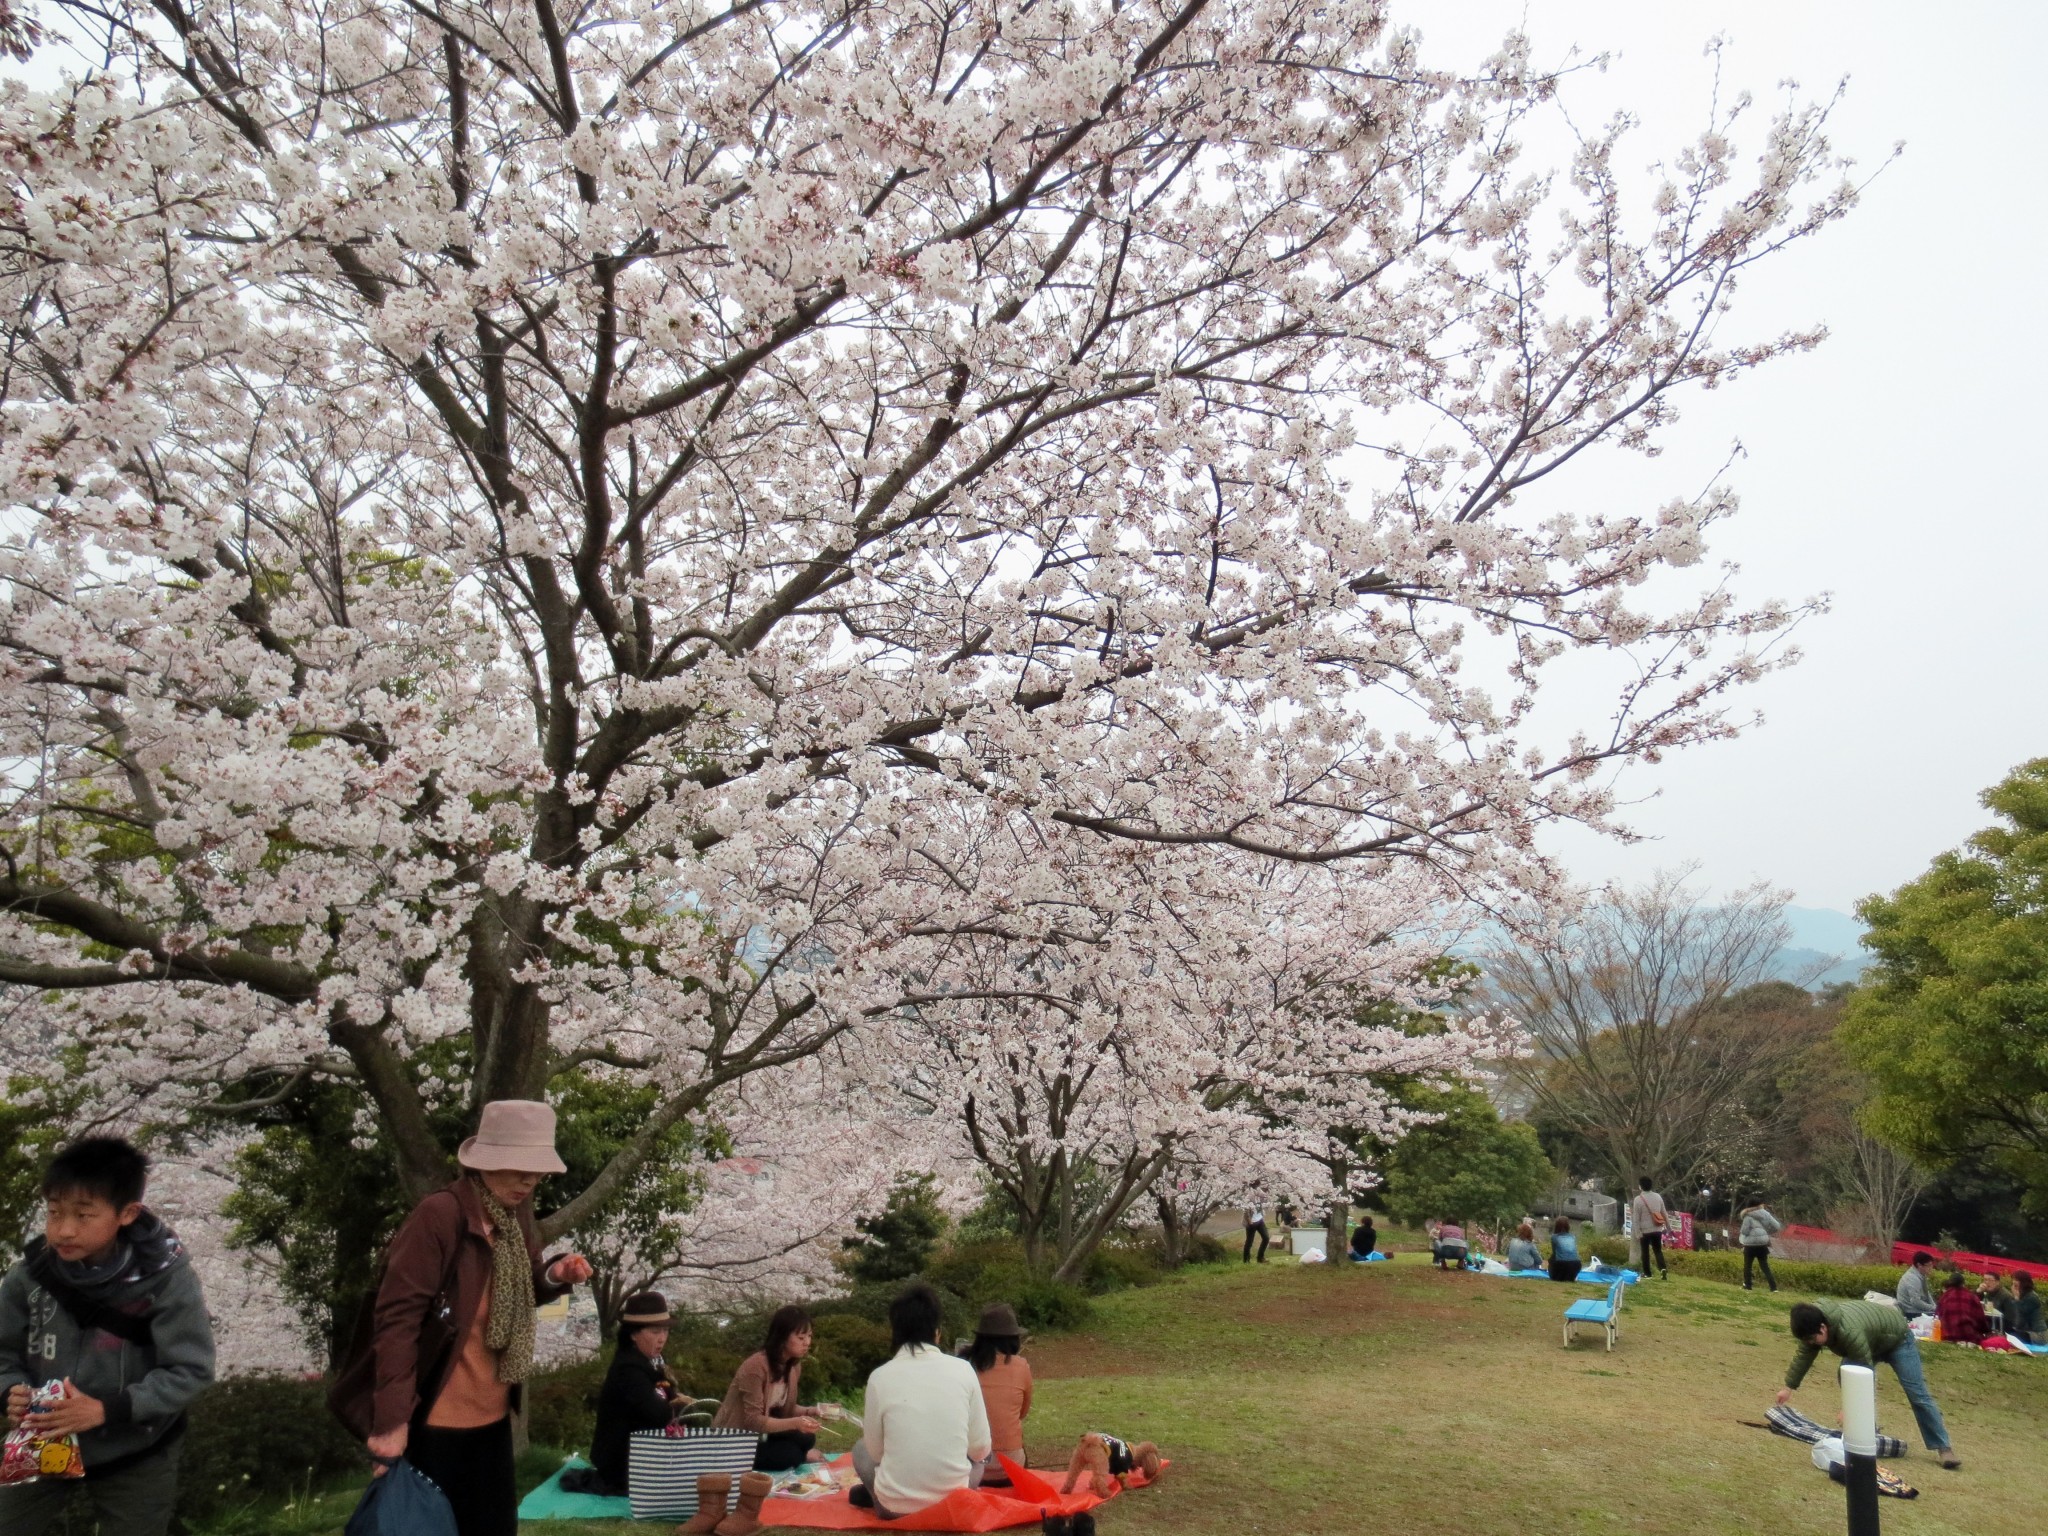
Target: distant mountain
1823	941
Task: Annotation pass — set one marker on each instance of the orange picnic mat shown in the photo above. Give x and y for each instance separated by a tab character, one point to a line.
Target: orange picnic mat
970	1509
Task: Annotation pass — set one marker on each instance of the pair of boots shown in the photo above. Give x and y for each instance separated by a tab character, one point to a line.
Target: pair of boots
713	1489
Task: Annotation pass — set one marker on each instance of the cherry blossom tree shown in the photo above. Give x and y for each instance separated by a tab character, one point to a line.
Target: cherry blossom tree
1109	1014
526	526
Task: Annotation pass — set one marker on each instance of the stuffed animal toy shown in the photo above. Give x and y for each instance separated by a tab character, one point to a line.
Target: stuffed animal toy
1101	1457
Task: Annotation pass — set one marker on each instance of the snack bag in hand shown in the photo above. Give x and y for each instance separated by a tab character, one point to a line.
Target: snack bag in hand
29	1455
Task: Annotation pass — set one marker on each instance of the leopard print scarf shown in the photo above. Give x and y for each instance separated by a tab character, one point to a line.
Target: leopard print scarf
509	1330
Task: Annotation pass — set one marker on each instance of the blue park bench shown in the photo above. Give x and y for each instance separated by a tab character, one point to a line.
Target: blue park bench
1605	1313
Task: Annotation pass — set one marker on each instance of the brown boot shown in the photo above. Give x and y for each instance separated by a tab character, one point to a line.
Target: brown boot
745	1520
714	1489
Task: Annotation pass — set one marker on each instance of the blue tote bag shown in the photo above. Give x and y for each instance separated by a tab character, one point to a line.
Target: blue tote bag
403	1502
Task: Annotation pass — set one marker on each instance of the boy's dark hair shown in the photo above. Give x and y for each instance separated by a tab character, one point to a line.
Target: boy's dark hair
1644	1181
103	1166
1923	1257
914	1317
1807	1320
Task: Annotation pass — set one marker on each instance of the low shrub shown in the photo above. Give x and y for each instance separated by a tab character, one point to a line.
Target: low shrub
1794	1275
561	1405
989	1269
261	1437
1201	1248
844	1348
1121	1267
1047	1305
1725	1267
1607	1248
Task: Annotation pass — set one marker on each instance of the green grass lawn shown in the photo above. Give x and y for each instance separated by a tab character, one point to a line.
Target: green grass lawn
1357	1398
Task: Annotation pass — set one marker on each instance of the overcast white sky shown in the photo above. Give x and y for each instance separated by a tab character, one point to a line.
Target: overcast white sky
1896	468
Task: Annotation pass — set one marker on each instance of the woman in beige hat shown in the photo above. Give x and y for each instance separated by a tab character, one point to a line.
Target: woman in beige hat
454	1323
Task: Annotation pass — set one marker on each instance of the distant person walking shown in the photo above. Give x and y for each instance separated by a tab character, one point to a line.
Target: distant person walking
1255	1226
1759	1226
1647	1214
1864	1333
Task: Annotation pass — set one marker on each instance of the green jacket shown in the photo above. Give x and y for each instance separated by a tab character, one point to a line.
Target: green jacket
1861	1332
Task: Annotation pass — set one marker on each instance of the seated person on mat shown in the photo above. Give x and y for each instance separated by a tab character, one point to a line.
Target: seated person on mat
1449	1248
638	1393
2033	1327
926	1433
1365	1240
1958	1312
1564	1251
1522	1251
1005	1377
763	1395
1998	1299
1915	1295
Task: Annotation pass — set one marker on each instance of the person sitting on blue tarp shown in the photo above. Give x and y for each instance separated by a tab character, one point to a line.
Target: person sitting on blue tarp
1522	1252
1365	1241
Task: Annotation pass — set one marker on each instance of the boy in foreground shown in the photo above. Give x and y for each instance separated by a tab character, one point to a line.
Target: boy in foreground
1863	1333
106	1302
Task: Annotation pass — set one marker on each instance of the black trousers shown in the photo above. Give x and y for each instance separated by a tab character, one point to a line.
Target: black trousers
1564	1269
1260	1229
782	1450
474	1468
1757	1253
1653	1242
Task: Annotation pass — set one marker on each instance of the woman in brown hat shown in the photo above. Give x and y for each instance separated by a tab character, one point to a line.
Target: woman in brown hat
638	1392
1005	1377
454	1317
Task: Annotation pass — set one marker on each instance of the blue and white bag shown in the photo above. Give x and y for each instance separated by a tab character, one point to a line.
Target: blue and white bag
662	1469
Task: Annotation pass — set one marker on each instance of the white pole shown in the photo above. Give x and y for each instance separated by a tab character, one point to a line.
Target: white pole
1859	1446
1859	1410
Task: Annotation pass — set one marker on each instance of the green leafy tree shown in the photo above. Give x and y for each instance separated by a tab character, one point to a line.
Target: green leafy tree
897	1241
1952	1022
34	1113
1468	1163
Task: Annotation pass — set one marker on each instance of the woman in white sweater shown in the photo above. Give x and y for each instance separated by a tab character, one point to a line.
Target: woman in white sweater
926	1429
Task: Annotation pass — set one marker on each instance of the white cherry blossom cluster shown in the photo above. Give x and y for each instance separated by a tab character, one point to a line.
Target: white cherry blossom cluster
670	538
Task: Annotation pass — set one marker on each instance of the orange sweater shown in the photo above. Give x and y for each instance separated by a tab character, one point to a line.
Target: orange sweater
1006	1394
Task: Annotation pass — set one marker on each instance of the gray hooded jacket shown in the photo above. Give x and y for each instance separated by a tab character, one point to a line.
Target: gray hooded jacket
145	1386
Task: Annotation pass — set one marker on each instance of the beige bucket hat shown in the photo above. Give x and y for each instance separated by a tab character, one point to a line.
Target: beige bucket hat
514	1136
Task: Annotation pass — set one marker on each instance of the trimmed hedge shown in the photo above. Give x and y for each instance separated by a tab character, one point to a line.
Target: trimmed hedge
1724	1265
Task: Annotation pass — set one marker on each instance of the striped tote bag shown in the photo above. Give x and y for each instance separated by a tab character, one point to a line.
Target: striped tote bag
662	1469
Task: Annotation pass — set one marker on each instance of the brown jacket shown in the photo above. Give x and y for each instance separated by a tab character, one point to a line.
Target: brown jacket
418	1326
746	1400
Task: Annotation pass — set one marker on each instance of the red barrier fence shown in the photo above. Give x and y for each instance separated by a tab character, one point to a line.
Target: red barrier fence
1981	1263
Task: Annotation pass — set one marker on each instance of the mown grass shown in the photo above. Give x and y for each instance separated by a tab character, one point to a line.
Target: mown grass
1395	1397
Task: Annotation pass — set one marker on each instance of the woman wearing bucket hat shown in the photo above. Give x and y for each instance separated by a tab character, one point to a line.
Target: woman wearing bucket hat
1005	1377
454	1328
638	1392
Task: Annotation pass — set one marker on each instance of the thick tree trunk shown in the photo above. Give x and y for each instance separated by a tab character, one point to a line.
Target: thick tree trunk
1169	1232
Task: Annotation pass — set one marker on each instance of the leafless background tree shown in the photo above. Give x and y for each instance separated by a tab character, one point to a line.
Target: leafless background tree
1640	1047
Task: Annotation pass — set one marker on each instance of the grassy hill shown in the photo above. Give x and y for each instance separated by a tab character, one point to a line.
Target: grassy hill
1394	1397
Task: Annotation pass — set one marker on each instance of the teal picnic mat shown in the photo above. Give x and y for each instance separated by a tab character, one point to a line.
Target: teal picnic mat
551	1502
